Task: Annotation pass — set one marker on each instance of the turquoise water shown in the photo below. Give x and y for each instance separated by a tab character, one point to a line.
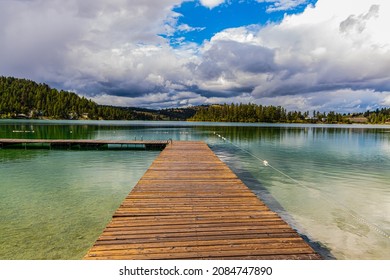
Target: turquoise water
331	183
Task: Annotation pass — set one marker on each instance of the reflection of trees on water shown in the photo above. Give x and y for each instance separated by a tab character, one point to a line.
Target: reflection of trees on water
76	131
31	130
256	134
38	131
16	155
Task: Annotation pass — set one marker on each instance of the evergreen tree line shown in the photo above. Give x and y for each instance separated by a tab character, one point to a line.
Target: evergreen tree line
378	116
25	98
21	98
251	113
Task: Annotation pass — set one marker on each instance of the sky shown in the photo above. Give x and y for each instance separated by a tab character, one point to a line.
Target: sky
323	55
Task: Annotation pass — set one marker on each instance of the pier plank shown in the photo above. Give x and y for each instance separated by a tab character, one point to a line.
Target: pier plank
190	205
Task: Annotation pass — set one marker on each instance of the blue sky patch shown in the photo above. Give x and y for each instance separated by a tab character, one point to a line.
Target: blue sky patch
198	23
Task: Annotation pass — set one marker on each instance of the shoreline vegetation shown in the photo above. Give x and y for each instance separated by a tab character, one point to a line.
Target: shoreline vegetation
25	99
252	113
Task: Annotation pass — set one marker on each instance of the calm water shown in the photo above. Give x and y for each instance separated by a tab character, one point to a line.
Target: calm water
331	183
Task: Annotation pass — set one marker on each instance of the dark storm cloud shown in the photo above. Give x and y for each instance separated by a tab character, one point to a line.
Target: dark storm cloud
227	57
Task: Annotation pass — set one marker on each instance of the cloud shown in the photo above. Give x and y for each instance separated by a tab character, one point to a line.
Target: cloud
282	5
335	54
187	28
225	58
156	100
322	52
87	44
211	3
358	23
343	100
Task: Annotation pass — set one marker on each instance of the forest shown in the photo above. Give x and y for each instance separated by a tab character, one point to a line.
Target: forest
22	98
251	113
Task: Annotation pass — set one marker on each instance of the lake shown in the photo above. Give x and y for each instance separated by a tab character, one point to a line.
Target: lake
329	182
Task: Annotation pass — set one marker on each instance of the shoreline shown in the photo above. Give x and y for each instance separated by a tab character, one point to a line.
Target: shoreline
188	123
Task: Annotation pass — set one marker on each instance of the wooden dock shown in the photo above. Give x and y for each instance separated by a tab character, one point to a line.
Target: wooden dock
82	144
190	205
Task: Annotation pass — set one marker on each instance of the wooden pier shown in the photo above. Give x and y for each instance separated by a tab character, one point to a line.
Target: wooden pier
81	144
190	205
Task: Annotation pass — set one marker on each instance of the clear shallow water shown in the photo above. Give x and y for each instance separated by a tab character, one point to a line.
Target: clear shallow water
331	183
54	204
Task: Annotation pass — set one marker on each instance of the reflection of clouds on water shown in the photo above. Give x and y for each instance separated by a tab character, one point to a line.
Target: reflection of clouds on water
338	192
385	146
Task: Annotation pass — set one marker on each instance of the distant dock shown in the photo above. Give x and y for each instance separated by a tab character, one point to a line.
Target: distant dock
190	205
82	144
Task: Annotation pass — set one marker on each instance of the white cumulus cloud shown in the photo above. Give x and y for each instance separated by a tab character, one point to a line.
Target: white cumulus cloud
211	3
333	48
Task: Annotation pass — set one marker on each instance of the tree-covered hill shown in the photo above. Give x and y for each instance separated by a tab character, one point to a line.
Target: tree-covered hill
21	98
25	98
